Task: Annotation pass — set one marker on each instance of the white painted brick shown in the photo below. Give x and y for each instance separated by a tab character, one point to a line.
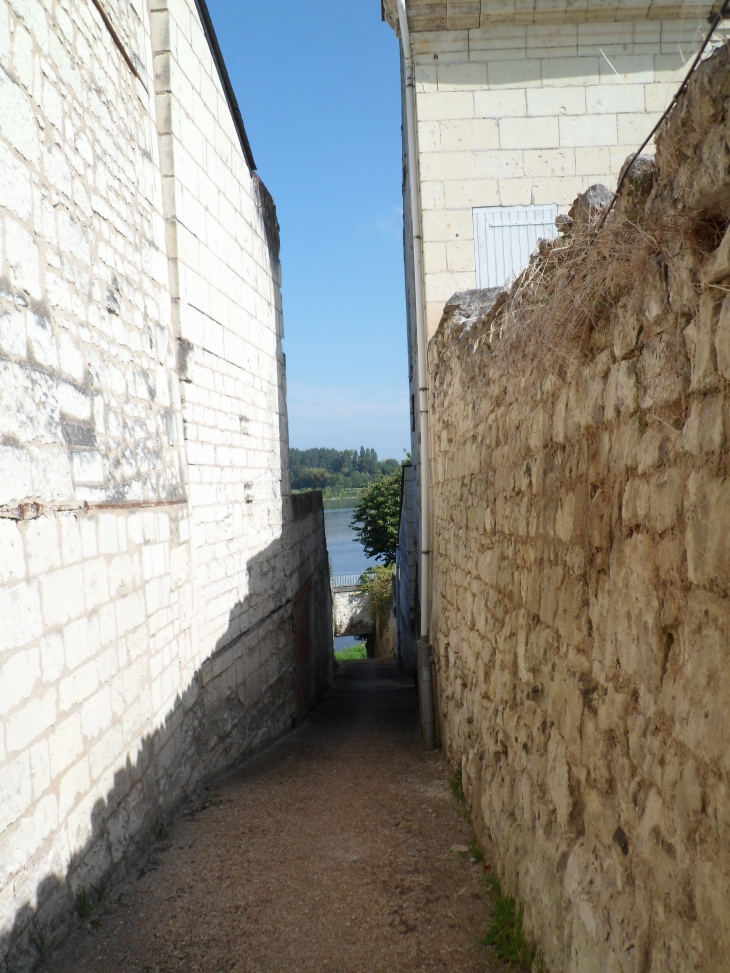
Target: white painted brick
592	160
627	69
66	744
443	105
20	612
105	753
23	256
63	595
77	687
71	549
18	676
50	473
12	562
556	101
500	103
17	121
74	784
474	192
52	660
130	613
564	72
459	76
81	641
96	714
615	98
13	337
520	73
590	130
15	483
87	467
70	358
547	163
515	192
88	537
108	534
432	195
529	133
26	724
16	788
500	163
40	768
15	185
633	129
41	544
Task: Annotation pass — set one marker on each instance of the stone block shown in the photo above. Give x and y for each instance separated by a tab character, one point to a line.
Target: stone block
472	135
18	676
62	595
556	101
586	131
16	788
16	483
529	133
42	546
27	723
17	121
501	103
20	611
66	744
12	561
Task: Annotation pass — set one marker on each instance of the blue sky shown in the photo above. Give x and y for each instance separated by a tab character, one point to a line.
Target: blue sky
318	85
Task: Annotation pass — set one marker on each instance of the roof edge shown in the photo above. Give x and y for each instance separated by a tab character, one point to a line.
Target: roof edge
210	36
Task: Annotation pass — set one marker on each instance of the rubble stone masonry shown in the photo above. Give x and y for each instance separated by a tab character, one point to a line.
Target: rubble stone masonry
581	617
154	571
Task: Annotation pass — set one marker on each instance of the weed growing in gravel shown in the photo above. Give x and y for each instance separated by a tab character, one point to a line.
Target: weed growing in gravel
476	850
41	944
457	789
506	934
83	903
457	786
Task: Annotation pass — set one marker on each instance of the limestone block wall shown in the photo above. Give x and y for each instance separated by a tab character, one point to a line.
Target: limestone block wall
151	560
581	567
532	108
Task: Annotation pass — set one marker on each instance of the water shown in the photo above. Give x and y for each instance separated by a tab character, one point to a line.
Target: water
346	553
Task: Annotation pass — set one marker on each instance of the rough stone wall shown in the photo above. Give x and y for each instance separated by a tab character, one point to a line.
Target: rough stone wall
581	568
152	563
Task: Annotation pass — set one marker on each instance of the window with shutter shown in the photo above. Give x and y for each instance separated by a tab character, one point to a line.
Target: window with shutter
505	238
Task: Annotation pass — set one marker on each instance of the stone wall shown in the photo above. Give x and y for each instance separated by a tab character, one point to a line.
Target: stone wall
581	569
163	599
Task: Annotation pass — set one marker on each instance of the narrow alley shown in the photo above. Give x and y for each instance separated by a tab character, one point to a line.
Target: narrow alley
331	851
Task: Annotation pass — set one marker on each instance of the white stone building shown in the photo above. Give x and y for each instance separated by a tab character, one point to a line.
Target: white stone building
161	594
519	106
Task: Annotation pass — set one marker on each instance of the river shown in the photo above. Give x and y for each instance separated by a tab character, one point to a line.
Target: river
345	550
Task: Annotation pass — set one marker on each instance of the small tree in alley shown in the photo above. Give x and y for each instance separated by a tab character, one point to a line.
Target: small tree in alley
375	518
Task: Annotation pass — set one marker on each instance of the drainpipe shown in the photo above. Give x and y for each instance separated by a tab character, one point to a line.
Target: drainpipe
425	655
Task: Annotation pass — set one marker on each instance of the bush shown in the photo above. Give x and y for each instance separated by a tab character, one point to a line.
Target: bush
375	519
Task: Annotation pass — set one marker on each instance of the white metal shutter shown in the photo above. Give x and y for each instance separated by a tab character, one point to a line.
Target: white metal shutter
505	238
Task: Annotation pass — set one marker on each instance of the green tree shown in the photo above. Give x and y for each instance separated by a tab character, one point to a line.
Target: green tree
375	518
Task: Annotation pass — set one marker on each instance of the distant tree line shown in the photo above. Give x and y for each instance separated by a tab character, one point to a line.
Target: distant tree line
337	471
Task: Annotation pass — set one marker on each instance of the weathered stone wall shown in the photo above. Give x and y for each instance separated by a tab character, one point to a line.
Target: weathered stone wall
152	564
581	615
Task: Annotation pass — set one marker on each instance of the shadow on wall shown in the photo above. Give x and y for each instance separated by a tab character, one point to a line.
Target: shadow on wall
254	686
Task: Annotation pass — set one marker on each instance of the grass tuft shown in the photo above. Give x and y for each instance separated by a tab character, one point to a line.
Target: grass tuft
506	934
83	903
457	784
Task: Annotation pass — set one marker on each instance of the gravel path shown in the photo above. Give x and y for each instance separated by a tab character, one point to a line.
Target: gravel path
328	853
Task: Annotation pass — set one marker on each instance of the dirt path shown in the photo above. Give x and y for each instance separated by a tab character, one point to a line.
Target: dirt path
329	853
